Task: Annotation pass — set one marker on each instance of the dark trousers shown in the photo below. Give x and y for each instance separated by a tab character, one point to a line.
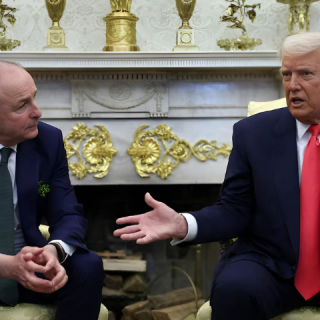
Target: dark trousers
81	296
247	290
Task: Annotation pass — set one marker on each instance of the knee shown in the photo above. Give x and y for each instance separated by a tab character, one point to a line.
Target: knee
93	262
231	292
86	266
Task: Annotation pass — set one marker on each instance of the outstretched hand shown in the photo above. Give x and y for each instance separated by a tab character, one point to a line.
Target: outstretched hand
158	224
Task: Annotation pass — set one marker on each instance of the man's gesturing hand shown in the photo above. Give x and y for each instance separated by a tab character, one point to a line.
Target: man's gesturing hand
159	224
54	271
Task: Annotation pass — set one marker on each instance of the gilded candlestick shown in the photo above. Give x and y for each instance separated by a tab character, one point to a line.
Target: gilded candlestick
56	36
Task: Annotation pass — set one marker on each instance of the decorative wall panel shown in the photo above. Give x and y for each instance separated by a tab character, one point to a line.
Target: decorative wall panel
105	97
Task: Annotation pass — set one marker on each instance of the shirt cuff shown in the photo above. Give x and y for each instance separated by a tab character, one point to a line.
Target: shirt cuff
192	230
69	249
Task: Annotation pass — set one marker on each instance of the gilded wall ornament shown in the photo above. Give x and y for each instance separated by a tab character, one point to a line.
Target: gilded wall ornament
146	151
235	14
7	13
97	150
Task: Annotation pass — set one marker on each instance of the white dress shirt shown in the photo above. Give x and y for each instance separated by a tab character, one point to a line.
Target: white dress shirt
19	241
303	136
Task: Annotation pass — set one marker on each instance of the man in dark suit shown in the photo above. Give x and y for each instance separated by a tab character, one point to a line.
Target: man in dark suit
62	269
270	200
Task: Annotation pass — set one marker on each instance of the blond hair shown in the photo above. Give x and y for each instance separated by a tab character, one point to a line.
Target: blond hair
300	43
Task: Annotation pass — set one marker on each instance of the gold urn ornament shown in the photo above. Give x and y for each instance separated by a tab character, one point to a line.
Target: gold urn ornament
185	34
56	36
121	27
299	16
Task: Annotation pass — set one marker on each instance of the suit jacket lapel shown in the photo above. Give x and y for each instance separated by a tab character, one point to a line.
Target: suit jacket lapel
286	175
27	177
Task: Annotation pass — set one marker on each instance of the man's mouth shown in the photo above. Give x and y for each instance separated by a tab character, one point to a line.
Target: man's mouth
296	102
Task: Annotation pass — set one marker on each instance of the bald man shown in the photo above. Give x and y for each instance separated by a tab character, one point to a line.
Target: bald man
61	270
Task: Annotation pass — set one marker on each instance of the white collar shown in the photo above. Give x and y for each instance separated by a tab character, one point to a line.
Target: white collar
14	148
301	129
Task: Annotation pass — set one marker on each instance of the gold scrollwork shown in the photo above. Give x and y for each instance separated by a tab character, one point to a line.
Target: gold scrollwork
98	150
146	150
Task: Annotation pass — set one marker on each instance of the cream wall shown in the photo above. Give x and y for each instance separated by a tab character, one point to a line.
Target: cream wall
156	29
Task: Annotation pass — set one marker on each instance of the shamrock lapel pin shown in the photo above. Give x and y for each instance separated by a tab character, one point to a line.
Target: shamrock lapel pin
43	189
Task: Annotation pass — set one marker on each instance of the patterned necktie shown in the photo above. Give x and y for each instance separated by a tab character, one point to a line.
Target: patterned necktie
8	287
307	277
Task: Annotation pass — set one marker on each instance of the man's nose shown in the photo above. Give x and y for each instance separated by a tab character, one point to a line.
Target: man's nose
36	112
294	84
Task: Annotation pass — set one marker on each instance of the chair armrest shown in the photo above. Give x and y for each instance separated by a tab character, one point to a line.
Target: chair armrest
45	231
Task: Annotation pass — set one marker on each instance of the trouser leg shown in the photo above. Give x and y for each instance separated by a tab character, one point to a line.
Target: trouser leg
247	290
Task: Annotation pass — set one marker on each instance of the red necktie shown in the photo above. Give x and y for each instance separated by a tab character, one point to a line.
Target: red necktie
307	277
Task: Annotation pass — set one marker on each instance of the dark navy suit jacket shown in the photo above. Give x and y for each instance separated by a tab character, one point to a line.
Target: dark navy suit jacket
44	159
260	197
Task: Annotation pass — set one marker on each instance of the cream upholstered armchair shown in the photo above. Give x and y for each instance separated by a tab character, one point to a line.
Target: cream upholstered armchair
28	311
300	314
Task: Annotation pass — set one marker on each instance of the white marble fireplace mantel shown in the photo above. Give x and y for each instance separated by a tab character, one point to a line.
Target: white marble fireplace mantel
199	95
267	60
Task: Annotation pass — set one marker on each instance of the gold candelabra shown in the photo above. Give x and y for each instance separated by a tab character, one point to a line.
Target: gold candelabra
56	37
7	13
121	27
185	34
299	16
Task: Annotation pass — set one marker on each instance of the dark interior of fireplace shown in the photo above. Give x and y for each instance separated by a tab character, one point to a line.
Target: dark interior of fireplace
104	204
